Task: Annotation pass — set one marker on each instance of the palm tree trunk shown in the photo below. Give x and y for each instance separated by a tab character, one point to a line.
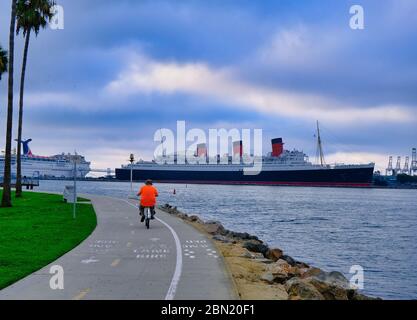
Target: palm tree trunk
7	194
19	135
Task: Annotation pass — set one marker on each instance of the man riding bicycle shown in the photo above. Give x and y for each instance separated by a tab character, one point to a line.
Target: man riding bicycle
148	194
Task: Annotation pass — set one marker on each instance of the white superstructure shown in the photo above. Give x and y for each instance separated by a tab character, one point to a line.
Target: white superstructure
57	166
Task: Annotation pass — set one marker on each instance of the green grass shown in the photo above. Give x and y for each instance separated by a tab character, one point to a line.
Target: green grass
38	230
79	199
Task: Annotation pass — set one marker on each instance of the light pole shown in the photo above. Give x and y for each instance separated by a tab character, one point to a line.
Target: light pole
131	160
75	159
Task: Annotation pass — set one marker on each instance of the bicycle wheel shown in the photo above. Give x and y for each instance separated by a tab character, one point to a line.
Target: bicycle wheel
147	223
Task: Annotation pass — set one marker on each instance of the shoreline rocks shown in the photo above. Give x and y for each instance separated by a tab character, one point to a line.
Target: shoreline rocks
268	272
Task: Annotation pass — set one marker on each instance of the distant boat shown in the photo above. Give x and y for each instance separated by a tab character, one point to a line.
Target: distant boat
57	166
279	168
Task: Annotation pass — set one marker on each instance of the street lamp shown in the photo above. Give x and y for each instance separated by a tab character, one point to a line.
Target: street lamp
76	159
131	160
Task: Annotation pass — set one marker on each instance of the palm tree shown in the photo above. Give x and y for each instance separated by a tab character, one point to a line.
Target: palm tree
32	15
6	200
3	61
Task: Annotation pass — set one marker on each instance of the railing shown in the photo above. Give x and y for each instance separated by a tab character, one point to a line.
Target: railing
28	182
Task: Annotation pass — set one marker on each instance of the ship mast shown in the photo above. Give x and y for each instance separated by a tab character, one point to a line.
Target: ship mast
320	153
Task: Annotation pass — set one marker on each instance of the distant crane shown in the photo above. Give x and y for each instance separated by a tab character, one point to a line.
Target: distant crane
389	171
406	169
413	168
398	166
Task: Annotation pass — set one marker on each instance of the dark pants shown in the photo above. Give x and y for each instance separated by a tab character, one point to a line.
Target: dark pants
142	210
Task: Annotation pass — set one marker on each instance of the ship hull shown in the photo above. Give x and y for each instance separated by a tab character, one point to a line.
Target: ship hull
329	177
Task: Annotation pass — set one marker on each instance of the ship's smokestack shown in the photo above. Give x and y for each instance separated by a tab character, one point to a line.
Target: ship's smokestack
238	149
202	150
277	147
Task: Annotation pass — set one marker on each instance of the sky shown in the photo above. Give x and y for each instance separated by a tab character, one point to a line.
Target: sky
121	70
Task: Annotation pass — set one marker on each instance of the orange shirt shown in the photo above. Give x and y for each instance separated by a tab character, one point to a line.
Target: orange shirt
148	196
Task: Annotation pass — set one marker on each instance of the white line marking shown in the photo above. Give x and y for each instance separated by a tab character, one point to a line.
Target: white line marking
178	267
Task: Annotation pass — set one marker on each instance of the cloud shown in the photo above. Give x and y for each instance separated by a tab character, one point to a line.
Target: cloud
298	47
146	76
56	99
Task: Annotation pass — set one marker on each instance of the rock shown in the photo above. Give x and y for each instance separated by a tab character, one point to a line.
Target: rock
302	265
332	285
242	235
273	278
274	254
329	291
299	289
214	227
252	255
264	260
281	278
221	238
171	210
333	278
283	271
311	272
195	219
290	260
268	277
355	295
236	251
182	216
256	247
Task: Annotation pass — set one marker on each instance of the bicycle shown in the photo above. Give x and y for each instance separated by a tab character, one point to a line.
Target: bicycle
148	216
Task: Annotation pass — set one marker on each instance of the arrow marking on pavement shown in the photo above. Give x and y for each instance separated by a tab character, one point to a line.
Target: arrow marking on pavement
90	260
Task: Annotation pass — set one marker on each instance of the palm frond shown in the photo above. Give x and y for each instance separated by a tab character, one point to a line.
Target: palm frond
3	61
33	15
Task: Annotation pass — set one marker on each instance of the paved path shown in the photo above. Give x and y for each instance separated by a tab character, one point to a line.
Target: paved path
123	260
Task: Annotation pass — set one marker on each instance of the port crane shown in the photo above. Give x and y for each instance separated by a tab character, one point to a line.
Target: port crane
389	171
410	169
413	168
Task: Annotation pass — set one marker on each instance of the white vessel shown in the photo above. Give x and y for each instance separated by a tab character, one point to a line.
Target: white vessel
57	166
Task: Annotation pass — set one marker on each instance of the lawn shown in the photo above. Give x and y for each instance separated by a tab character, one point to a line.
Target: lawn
39	229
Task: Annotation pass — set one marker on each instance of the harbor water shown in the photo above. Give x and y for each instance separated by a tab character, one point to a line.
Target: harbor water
330	228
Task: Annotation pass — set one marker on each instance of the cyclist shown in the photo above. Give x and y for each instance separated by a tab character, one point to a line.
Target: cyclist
148	194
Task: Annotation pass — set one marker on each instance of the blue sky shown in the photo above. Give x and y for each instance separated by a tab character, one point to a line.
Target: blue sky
122	69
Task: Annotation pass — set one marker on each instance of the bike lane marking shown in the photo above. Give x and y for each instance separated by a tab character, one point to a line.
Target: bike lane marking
115	263
178	266
82	294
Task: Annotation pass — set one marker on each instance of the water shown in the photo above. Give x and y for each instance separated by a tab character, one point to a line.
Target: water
333	229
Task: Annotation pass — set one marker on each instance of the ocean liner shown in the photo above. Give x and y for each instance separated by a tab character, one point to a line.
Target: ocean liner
57	166
279	168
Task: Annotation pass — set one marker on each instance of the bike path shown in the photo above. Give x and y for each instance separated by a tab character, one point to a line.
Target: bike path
122	260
